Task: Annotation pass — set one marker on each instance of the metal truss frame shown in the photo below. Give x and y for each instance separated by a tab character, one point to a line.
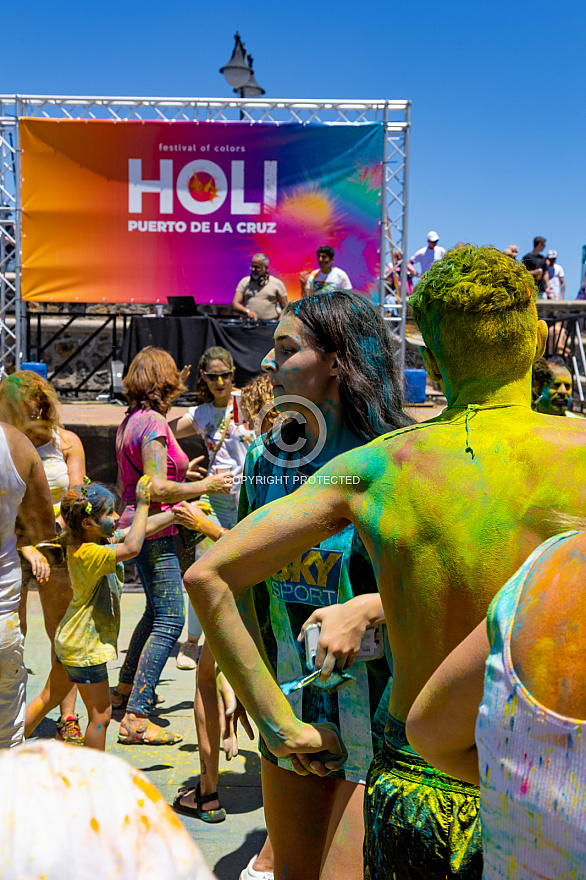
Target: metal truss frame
395	116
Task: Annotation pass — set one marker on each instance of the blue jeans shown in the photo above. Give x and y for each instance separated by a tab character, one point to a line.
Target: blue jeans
160	625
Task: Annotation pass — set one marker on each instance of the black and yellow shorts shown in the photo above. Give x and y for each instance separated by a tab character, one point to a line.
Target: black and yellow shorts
420	824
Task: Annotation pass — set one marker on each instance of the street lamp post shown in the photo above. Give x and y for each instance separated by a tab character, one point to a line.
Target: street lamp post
251	89
236	71
239	73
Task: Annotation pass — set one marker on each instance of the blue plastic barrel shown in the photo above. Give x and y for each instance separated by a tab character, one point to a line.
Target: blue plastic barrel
415	386
35	367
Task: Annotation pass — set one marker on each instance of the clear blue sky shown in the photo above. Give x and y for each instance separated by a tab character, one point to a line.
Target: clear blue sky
497	150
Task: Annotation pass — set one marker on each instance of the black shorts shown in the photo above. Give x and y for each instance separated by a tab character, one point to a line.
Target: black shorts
420	824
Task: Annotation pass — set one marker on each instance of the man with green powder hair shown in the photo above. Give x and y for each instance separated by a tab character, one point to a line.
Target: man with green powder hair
448	510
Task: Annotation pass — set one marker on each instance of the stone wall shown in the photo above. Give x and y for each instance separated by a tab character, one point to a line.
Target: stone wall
96	352
89	318
99	443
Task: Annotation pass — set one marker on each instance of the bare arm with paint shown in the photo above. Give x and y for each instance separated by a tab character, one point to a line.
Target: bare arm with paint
35	520
191	515
154	462
155	523
303	279
442	720
182	427
263	543
74	457
133	539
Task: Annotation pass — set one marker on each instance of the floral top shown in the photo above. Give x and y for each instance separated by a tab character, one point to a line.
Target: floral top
210	421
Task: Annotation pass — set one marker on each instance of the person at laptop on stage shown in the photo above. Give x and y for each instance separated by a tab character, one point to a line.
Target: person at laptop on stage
260	296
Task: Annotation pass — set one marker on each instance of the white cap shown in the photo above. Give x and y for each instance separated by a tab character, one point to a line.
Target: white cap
432	236
552	255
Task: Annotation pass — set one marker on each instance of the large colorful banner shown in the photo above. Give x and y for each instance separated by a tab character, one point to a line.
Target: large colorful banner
138	211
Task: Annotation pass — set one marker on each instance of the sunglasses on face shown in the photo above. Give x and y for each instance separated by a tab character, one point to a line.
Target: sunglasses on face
213	377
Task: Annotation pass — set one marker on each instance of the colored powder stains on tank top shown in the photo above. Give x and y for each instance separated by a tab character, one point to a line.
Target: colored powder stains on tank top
510	709
524	787
533	801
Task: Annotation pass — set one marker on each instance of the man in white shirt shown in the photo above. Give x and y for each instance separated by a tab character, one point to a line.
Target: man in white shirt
426	256
555	273
327	277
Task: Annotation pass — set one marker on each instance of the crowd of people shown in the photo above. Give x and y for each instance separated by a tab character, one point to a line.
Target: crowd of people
395	604
548	275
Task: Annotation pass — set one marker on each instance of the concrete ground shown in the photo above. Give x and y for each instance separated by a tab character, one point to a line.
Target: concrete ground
227	847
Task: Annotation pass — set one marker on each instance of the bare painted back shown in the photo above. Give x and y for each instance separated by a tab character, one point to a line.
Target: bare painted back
447	527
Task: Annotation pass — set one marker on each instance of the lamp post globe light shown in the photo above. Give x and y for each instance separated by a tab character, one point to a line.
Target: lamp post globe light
251	89
239	74
236	71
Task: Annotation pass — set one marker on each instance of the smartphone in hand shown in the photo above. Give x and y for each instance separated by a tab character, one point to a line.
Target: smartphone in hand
371	648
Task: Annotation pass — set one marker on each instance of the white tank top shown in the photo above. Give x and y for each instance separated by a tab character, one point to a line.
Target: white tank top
532	762
12	491
55	470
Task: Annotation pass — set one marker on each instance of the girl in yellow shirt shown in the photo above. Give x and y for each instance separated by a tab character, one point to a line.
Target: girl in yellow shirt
86	637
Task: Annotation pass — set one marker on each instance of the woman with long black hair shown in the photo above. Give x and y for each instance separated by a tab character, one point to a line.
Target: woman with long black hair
333	368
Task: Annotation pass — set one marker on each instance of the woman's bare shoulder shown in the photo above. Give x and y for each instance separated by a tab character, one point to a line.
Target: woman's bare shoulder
69	440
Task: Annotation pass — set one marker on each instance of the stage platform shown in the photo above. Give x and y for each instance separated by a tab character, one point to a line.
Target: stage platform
96	425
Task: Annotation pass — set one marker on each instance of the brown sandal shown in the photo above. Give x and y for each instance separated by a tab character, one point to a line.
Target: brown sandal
137	737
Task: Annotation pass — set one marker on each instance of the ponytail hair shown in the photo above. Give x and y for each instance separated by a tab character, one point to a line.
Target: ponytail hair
82	501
